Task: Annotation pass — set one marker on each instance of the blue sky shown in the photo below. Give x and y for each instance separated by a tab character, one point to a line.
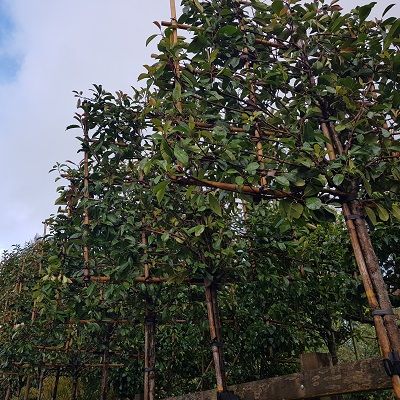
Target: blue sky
9	63
46	51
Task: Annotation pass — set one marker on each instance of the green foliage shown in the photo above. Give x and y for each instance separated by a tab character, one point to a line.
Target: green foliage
218	170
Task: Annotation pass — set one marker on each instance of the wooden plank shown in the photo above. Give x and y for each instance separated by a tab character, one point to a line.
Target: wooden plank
359	376
313	361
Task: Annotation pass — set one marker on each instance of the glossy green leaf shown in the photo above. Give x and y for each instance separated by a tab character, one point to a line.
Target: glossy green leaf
371	215
396	211
150	39
338	179
214	204
313	203
181	155
382	213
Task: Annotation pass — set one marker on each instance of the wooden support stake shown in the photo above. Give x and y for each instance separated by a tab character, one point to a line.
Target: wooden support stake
149	359
149	339
375	273
104	373
27	387
74	389
86	195
41	380
216	336
174	21
55	387
368	265
104	377
8	393
174	41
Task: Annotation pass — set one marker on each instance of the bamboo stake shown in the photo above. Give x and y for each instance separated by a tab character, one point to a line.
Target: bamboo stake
371	262
74	391
385	327
40	388
19	284
329	147
149	339
257	132
8	393
71	201
174	41
377	278
86	220
215	333
353	341
20	385
34	311
231	187
104	374
174	21
104	377
149	372
55	387
27	387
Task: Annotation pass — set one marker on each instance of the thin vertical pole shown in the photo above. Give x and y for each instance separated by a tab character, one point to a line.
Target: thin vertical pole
40	388
149	365
71	201
55	387
74	391
34	311
216	336
8	392
174	21
86	219
353	341
27	387
253	101
149	339
104	374
174	41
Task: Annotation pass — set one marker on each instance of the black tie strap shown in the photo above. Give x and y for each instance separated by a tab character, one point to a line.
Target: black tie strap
392	364
382	313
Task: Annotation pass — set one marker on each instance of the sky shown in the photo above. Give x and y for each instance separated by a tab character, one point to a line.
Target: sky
48	49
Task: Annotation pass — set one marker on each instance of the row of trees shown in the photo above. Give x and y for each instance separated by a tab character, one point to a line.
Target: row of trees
223	179
298	294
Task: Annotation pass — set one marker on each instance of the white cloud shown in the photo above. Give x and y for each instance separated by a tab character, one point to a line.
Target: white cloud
64	45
